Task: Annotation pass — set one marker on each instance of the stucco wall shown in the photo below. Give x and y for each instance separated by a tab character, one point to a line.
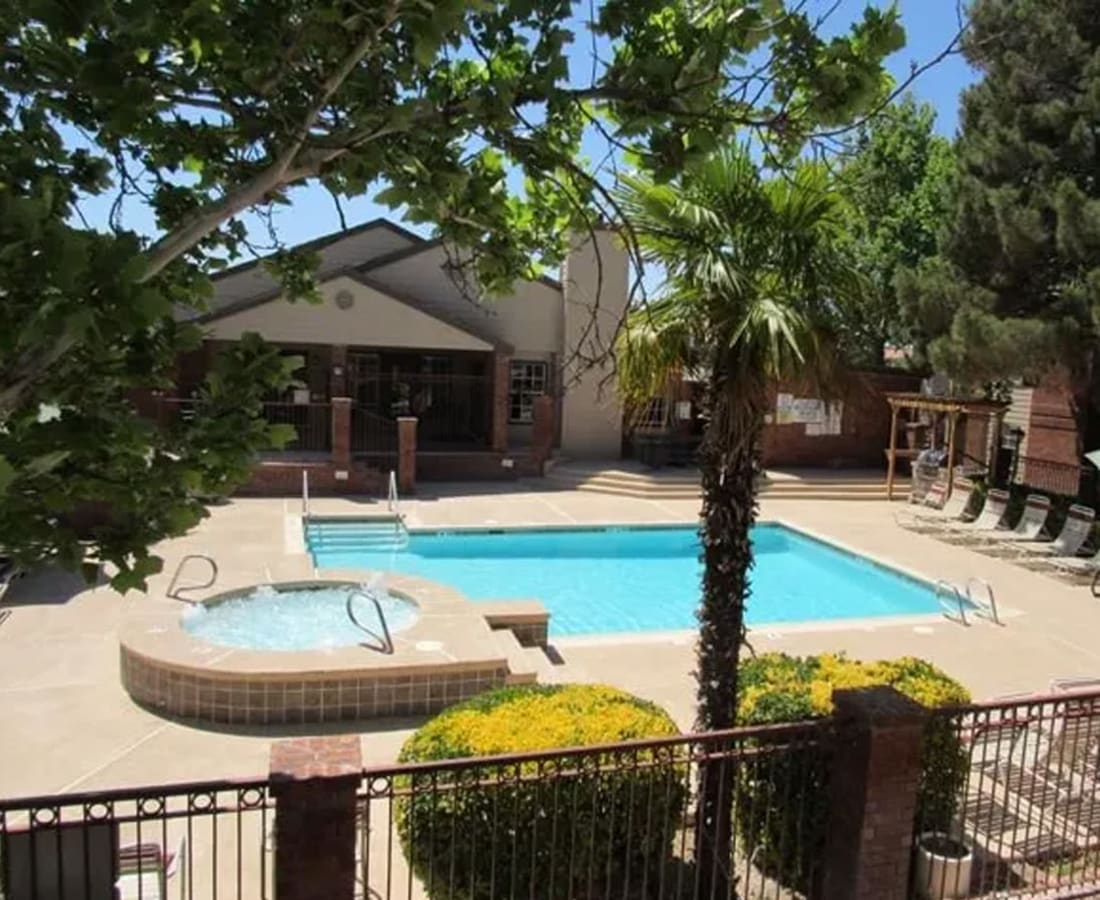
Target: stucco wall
595	288
374	319
529	320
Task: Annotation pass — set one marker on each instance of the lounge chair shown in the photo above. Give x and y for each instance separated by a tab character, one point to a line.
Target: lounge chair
936	510
989	520
146	869
1075	565
1030	528
1069	541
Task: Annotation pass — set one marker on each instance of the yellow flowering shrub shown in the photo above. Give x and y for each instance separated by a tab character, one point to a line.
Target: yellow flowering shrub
778	688
467	832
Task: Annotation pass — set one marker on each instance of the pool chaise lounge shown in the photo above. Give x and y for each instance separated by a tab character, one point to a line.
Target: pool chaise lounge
1068	542
989	520
936	513
1031	527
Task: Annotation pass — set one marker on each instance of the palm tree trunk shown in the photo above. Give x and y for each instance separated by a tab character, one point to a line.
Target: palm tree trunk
728	466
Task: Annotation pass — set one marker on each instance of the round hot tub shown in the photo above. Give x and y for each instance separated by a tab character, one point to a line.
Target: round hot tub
289	653
293	617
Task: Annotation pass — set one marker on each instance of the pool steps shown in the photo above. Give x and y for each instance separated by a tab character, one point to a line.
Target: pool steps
356	534
683	484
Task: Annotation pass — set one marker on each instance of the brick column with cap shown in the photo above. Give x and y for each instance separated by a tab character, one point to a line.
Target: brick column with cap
542	430
873	795
502	383
341	432
314	782
406	454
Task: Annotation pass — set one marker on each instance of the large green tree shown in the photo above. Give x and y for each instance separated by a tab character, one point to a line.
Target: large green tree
203	111
1016	287
897	182
754	269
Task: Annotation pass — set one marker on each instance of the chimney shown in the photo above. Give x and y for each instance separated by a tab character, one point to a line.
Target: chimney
595	287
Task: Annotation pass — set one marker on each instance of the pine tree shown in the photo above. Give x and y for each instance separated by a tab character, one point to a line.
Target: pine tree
1016	286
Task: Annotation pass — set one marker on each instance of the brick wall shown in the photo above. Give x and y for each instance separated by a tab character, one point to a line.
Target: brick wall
284	479
865	426
1052	429
476	466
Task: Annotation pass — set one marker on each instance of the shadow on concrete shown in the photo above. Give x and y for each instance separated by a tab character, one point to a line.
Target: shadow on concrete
46	587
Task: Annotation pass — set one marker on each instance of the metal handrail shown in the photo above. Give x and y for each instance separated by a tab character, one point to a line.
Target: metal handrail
305	494
393	501
1095	588
944	591
174	592
987	609
385	641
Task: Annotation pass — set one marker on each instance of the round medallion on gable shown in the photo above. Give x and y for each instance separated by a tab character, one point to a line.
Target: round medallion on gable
345	299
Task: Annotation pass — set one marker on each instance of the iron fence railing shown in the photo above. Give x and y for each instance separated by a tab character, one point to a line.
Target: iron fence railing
312	423
373	434
1023	818
188	841
615	821
452	411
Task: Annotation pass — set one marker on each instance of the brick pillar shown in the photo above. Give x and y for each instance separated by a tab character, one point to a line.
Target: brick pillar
338	373
314	781
502	379
341	432
873	795
406	454
542	430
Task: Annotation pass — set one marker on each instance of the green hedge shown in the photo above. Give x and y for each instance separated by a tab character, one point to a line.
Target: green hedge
563	829
783	807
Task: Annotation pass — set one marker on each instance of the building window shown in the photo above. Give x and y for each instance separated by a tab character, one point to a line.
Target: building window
654	415
528	381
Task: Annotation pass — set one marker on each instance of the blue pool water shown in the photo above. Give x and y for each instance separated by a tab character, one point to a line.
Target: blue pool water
312	618
634	580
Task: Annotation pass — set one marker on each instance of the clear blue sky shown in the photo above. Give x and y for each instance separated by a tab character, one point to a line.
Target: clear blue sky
929	24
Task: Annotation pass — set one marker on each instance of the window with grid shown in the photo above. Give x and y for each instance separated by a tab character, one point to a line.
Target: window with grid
528	381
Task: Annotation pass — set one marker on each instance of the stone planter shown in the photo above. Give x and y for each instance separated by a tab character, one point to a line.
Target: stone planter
943	867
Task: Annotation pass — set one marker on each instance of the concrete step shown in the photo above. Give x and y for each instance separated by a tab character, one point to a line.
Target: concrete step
526	665
685	486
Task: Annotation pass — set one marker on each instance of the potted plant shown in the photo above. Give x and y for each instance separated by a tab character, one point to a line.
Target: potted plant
943	866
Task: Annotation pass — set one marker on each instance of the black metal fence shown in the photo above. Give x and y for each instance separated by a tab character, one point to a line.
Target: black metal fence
453	411
618	821
205	840
312	423
373	435
1026	818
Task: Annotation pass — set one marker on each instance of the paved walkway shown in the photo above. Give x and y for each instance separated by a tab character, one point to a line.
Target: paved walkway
68	725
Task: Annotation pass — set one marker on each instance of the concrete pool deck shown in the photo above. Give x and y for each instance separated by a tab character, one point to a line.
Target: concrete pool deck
69	725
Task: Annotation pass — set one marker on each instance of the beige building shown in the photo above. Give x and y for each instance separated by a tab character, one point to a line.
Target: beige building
399	335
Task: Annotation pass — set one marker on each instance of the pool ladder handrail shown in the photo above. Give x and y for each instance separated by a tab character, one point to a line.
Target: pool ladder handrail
305	495
393	501
988	608
385	641
1095	586
174	592
952	608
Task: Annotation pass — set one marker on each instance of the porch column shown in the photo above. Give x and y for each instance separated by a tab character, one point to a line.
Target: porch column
406	454
502	378
341	432
542	430
872	795
314	783
338	371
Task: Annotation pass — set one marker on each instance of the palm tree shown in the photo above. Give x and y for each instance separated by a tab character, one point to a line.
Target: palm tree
752	276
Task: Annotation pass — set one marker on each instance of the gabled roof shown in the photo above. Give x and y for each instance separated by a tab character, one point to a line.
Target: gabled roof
328	239
355	274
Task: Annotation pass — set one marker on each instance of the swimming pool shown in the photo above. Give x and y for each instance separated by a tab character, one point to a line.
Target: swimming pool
610	580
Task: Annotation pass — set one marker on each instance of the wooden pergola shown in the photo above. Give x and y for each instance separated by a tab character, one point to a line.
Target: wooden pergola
951	407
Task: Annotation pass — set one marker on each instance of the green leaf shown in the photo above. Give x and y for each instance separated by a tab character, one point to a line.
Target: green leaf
193	164
281	435
142	55
7	474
